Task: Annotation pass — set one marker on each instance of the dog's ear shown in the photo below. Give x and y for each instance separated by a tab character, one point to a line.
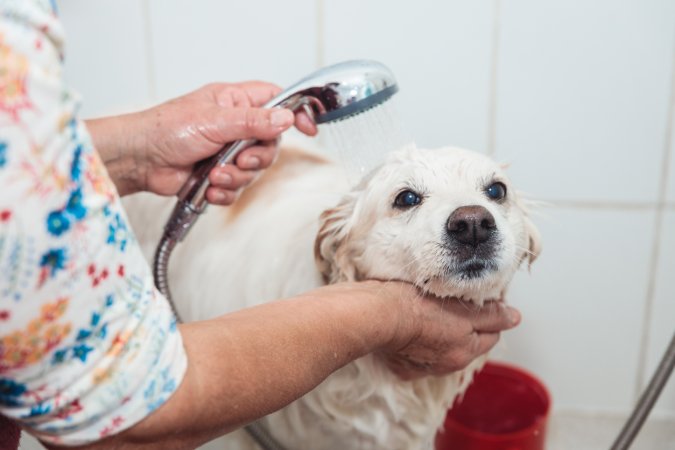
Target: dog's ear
531	232
534	240
331	255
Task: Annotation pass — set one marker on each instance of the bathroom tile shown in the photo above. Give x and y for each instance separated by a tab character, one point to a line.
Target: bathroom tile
662	324
583	90
105	54
582	306
440	53
202	41
670	183
581	430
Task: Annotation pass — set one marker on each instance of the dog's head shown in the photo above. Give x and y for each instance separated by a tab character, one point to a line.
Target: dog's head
446	220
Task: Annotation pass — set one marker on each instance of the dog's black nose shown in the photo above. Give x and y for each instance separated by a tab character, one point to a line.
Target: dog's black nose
471	225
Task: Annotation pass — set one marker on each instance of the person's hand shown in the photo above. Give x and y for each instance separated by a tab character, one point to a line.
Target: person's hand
439	336
155	150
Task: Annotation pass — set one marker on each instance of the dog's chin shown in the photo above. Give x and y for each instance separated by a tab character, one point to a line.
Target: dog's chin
475	279
474	269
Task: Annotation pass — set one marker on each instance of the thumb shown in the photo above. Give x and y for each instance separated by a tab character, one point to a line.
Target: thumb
495	317
252	123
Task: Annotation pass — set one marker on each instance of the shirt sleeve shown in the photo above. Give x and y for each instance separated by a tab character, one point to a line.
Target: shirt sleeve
88	347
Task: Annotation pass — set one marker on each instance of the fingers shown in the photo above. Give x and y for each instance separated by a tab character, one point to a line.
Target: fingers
494	317
242	95
250	123
255	94
222	197
451	334
259	156
227	181
259	92
484	343
305	124
230	178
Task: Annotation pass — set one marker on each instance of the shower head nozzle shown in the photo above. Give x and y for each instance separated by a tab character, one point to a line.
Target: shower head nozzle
340	91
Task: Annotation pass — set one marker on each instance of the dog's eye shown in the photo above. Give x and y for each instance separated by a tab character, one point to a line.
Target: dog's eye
496	191
407	199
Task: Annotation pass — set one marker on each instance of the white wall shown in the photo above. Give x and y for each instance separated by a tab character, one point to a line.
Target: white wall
577	95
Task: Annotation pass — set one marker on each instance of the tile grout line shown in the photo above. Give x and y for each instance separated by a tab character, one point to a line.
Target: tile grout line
606	205
492	96
656	240
149	53
320	33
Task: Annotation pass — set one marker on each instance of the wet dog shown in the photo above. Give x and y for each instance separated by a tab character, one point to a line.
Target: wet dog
447	220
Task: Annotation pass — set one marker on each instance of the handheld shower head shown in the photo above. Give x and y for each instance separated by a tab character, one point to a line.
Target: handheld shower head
340	91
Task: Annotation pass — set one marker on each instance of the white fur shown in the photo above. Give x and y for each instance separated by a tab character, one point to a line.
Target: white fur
267	252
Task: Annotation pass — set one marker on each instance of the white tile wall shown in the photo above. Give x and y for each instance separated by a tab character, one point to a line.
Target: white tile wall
106	54
440	53
670	188
581	111
583	94
662	326
582	306
201	41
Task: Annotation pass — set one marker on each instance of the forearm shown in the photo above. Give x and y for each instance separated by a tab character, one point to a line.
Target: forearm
119	142
250	363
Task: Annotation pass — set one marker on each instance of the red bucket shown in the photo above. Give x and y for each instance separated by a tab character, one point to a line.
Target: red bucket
505	408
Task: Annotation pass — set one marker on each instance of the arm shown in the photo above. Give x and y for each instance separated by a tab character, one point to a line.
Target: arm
250	363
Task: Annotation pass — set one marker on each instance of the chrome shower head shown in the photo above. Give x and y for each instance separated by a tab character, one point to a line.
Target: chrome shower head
340	91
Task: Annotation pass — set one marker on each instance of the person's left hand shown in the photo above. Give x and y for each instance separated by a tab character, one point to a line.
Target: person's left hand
155	150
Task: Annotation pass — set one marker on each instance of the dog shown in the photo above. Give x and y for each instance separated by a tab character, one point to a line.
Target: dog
447	220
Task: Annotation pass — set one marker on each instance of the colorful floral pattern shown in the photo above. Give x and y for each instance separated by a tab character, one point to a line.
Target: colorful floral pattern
42	334
88	347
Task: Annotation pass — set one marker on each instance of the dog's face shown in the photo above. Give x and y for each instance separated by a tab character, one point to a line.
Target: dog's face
446	220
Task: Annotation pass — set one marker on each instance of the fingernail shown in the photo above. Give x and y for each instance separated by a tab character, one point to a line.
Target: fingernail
281	117
224	178
219	196
252	162
514	316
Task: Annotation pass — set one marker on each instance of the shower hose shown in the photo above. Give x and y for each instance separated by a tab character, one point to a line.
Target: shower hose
647	399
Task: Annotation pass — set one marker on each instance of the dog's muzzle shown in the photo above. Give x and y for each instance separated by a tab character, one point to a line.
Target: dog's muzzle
473	237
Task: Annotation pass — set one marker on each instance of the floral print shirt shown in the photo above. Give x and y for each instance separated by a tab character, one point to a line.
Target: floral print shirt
88	347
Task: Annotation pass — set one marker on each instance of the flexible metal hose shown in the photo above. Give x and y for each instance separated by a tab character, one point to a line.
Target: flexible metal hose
647	400
160	270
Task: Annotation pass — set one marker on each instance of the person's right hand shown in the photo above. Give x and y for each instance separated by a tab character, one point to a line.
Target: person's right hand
438	336
155	150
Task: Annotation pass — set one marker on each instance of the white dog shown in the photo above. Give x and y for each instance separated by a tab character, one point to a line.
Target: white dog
447	220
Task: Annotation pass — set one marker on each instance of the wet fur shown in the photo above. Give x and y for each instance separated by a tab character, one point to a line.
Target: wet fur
296	229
